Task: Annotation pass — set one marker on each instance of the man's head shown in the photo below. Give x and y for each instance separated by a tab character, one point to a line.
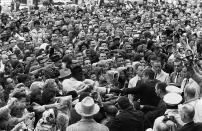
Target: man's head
36	24
157	66
87	63
111	110
139	70
177	65
120	61
190	92
13	57
4	58
148	74
102	56
187	113
123	103
93	43
160	89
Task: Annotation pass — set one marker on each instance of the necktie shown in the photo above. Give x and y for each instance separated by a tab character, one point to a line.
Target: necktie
176	78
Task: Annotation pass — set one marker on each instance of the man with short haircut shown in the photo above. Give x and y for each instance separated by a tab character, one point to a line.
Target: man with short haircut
187	115
190	96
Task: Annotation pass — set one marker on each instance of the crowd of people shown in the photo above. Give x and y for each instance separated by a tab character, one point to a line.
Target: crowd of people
112	67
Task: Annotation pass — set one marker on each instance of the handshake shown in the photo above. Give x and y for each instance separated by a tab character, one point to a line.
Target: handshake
119	91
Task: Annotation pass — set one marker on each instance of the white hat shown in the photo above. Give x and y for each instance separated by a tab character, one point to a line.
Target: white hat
87	107
172	99
173	89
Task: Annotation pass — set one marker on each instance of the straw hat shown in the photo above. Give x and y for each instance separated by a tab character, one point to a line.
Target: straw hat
87	107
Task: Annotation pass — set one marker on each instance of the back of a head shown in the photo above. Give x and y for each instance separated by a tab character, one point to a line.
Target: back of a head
77	72
187	111
124	102
111	110
190	92
150	73
161	86
66	59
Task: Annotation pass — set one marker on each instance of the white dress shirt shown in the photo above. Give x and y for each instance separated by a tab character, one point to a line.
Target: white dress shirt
132	83
163	77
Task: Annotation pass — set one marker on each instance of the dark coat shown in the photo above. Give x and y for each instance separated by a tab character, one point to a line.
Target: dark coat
154	112
146	90
127	120
192	127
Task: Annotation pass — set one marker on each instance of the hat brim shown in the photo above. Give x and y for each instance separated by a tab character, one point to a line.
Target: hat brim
79	110
66	74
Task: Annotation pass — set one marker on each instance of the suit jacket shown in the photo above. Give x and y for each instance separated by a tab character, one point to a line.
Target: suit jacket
192	127
146	90
154	112
127	120
176	79
163	77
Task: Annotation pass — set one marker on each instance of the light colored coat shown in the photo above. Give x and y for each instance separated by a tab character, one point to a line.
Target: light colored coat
87	125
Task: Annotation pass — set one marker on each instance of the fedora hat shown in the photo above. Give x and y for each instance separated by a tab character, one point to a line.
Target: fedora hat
87	107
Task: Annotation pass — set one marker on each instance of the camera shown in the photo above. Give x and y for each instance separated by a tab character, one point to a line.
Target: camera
169	118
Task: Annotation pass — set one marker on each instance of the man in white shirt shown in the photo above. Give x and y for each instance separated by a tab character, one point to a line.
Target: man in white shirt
134	80
160	74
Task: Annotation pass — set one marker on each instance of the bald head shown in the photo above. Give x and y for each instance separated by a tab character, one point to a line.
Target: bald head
187	113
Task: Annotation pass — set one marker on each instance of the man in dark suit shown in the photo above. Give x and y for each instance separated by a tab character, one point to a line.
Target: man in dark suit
155	112
187	114
146	89
177	77
128	119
